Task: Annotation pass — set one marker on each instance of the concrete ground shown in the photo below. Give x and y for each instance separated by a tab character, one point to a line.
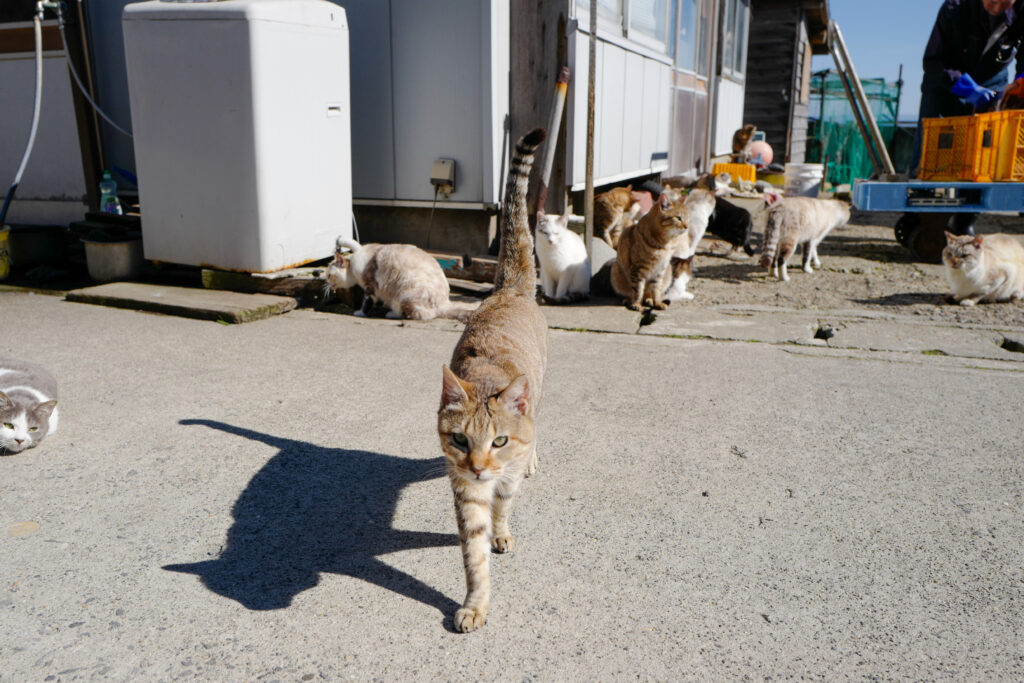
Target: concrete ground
721	495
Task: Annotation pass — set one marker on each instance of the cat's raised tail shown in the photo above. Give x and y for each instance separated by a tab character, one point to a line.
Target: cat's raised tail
341	245
515	255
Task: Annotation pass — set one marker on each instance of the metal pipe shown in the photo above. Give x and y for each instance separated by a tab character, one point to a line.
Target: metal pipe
876	136
554	125
588	195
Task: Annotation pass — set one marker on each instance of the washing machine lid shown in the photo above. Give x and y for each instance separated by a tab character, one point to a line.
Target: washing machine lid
318	13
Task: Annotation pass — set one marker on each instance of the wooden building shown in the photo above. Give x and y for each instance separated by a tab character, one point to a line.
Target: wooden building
784	34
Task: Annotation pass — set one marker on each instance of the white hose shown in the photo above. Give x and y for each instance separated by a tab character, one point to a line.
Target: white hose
38	26
85	93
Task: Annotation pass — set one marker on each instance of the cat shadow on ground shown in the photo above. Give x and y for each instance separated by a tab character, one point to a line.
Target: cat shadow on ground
907	299
310	510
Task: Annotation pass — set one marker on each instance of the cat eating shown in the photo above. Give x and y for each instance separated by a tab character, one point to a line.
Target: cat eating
490	397
28	405
984	268
403	278
796	221
564	264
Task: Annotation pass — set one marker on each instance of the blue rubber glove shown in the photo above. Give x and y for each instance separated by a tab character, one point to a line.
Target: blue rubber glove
980	97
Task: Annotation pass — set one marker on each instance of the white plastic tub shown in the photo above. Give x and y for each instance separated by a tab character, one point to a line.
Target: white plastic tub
803	180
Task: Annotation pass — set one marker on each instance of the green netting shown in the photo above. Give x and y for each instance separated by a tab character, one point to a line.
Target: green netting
834	132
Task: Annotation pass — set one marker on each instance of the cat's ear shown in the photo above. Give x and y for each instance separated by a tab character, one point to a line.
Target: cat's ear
5	402
453	390
515	398
665	201
563	220
977	241
46	409
950	237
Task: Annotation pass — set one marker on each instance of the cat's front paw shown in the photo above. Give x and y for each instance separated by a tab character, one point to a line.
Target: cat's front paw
531	467
661	305
503	543
968	302
632	305
469	619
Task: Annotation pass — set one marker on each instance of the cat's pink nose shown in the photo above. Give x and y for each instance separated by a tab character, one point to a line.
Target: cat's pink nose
475	470
19	441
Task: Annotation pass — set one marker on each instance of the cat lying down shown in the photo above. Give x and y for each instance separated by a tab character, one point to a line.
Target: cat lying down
403	278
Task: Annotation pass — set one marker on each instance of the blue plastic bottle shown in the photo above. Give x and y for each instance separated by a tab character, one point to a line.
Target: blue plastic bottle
109	203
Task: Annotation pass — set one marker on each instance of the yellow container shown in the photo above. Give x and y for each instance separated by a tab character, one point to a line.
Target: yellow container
5	254
1006	159
948	148
981	148
746	172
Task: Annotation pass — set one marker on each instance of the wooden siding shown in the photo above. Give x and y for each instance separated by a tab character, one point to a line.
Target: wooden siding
773	68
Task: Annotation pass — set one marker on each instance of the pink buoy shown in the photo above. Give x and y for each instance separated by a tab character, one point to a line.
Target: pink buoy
761	153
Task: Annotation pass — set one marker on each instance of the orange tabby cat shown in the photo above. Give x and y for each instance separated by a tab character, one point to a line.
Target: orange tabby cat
614	211
642	272
491	395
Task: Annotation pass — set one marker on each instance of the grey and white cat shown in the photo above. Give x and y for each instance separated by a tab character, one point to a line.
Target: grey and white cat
403	278
799	220
984	268
564	264
28	405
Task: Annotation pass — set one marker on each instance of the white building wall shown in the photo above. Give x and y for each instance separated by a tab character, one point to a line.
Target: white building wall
52	189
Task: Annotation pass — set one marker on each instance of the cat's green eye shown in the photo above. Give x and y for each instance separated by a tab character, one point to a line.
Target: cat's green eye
8	425
500	441
33	429
460	439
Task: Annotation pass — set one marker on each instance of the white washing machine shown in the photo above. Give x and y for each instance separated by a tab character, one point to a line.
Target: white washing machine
240	117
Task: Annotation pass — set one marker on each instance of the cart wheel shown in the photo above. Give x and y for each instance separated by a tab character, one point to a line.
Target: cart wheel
929	239
906	227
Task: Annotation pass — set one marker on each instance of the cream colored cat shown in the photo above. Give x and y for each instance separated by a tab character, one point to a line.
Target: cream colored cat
490	397
984	268
402	277
799	220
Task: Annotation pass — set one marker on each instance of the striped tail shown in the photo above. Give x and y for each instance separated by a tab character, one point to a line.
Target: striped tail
515	253
770	245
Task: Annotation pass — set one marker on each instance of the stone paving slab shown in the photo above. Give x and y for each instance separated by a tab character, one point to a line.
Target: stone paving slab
204	304
681	320
935	339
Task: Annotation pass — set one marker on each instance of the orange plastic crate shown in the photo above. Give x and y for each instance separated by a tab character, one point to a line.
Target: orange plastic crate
746	172
948	148
1007	162
981	148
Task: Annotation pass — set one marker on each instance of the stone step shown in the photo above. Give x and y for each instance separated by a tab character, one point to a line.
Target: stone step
204	304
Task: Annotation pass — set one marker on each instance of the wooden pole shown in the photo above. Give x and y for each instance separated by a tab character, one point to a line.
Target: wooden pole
588	195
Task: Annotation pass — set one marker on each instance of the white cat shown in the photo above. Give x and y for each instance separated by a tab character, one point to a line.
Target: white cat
984	268
564	264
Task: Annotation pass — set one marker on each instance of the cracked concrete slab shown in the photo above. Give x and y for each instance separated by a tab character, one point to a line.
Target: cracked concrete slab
934	339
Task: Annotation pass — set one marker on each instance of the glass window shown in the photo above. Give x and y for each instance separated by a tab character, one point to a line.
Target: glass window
704	37
729	36
608	11
648	22
686	47
741	35
734	36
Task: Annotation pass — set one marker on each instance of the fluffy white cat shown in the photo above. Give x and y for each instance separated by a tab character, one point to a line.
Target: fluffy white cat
564	264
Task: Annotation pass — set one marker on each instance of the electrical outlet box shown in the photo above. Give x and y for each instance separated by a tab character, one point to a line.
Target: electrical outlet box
443	173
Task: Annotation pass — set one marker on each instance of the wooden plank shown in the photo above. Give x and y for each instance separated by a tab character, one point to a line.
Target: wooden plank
203	304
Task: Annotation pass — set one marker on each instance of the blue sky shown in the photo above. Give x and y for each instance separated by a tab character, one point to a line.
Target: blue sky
881	35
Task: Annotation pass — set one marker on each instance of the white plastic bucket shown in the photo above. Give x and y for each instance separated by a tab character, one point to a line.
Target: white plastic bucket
803	180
